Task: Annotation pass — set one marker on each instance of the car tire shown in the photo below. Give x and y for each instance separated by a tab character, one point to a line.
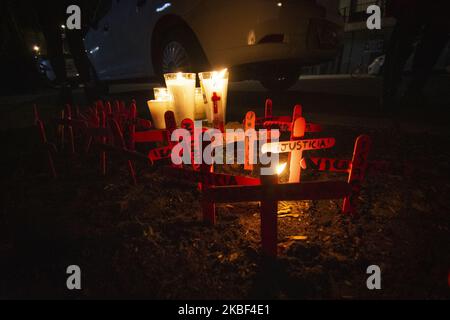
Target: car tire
282	82
180	51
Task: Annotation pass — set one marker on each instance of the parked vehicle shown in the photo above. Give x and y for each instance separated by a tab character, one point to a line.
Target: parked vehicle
376	67
46	71
257	39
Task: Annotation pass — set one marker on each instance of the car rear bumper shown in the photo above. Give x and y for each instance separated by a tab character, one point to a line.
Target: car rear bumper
296	31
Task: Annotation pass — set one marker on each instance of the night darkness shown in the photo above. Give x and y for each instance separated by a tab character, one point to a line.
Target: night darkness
225	150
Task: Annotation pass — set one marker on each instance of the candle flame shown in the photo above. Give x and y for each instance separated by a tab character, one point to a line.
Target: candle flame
281	168
218	75
222	73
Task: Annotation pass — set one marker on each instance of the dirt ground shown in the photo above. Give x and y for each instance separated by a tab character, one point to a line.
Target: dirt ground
149	241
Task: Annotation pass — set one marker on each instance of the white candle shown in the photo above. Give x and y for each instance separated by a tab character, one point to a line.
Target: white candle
215	81
161	94
159	106
199	104
157	110
181	86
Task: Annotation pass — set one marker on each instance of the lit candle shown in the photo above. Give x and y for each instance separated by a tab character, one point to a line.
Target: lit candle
215	81
159	106
161	94
199	104
181	87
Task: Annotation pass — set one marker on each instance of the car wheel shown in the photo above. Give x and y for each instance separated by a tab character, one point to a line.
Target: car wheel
179	51
281	82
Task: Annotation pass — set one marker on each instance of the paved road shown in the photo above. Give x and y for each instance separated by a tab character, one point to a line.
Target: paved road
335	100
330	99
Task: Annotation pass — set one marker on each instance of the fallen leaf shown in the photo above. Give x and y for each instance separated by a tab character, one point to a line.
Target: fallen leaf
292	215
297	237
233	256
284	211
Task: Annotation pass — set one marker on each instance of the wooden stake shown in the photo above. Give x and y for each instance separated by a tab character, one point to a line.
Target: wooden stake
103	139
208	206
357	172
48	147
269	219
268	109
296	156
249	143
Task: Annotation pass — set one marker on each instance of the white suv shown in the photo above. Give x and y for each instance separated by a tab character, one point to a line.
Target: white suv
257	39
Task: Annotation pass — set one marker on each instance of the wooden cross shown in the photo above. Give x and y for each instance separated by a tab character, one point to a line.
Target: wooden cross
268	115
49	148
296	147
269	192
283	123
208	179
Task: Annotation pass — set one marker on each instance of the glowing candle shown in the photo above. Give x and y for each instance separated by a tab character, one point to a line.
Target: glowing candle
215	81
199	104
159	106
161	94
181	86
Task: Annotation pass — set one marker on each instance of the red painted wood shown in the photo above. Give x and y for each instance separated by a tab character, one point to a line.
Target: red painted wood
104	140
269	218
260	121
299	145
100	106
287	126
249	124
196	151
326	164
43	138
357	172
169	118
218	122
297	113
158	154
208	206
120	141
268	109
116	108
298	131
208	177
150	136
108	108
132	127
342	165
144	124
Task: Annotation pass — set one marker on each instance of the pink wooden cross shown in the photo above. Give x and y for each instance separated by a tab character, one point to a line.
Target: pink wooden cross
296	147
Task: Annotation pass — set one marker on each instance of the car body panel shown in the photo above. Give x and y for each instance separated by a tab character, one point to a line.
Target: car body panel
229	32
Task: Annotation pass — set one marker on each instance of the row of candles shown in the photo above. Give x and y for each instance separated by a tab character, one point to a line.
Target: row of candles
188	102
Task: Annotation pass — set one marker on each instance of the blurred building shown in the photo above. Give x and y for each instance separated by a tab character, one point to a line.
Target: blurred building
361	45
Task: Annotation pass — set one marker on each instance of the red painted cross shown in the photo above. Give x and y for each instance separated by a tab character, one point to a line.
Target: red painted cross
270	192
296	148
